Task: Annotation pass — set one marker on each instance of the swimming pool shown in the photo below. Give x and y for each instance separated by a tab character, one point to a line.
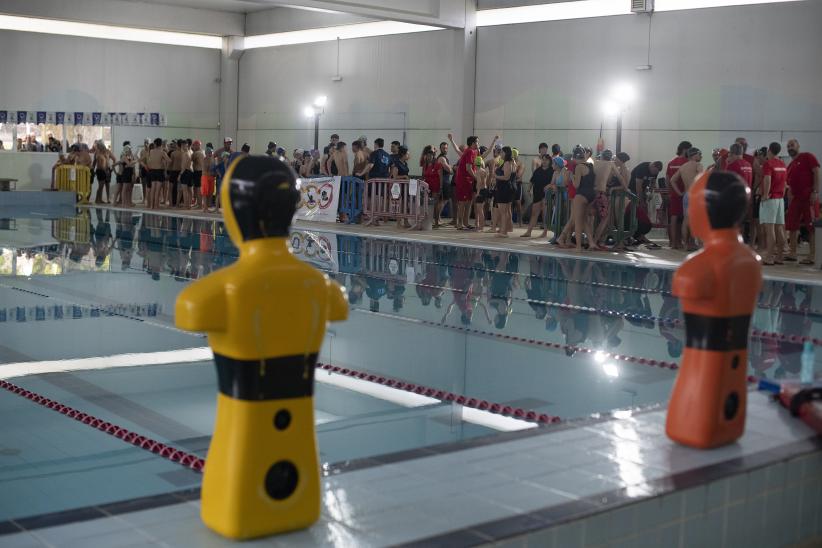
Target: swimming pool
444	345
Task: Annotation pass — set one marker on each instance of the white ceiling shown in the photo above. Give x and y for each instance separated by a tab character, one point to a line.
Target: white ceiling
236	6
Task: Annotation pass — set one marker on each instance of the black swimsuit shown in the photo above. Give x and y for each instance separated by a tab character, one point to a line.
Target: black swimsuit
504	193
586	185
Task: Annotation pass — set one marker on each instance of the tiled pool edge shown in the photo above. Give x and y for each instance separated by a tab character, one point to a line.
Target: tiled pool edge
775	505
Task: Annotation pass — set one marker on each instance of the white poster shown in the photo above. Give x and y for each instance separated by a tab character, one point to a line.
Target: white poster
316	248
319	199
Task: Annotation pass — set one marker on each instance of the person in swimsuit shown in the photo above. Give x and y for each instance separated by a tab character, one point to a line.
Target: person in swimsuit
339	162
506	176
684	178
198	165
186	177
157	162
170	191
540	179
432	174
361	164
584	178
125	180
102	170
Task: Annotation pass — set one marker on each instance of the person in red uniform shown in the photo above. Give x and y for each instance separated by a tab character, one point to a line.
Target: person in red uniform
738	164
432	173
772	206
465	180
803	182
744	143
675	208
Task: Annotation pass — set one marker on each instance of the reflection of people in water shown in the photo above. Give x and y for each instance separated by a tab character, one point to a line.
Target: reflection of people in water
793	323
535	286
356	288
432	286
396	292
501	288
152	240
673	335
124	236
376	289
101	237
462	287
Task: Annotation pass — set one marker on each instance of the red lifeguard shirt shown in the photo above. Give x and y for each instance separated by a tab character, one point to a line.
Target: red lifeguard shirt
431	174
743	169
800	175
779	176
673	167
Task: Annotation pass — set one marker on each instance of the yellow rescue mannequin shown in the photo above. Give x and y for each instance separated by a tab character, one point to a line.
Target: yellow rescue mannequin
265	316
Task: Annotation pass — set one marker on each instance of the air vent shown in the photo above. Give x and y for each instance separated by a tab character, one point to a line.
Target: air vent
642	6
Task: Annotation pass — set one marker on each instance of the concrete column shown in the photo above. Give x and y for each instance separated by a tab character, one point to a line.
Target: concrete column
230	85
465	53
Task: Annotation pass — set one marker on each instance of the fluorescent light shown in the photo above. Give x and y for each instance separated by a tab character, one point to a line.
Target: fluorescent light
676	5
410	399
552	12
108	32
379	391
497	422
9	370
321	101
309	112
328	34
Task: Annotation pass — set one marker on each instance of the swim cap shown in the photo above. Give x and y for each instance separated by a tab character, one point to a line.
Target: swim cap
693	151
607	154
559	162
197	143
579	152
500	160
515	153
478	162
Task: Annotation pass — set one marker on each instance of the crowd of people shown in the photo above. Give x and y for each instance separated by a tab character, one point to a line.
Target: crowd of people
481	187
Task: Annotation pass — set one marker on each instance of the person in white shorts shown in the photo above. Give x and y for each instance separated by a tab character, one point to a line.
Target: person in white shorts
772	206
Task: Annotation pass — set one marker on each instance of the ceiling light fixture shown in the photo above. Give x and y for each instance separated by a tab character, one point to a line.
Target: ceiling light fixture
330	34
108	32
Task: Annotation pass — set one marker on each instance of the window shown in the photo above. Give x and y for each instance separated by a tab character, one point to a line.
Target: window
89	134
28	134
7	137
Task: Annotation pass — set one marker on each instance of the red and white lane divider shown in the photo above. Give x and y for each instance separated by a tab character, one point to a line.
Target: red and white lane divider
160	449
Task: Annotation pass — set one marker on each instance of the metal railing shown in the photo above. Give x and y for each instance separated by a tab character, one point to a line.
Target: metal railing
74	178
396	199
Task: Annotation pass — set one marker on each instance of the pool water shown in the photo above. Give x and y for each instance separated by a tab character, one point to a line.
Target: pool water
565	338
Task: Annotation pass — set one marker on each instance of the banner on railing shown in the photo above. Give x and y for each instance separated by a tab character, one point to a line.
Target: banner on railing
150	119
317	248
319	198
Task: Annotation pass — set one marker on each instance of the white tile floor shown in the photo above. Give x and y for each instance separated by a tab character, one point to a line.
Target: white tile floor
430	496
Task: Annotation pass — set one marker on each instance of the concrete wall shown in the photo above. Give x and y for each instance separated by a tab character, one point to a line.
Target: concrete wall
383	78
50	72
717	73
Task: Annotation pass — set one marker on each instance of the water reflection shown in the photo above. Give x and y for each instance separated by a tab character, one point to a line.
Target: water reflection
583	305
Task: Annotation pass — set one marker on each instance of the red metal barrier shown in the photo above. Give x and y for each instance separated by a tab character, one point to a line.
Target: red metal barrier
390	199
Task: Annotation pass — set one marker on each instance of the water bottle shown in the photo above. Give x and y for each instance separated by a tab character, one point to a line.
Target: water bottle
806	373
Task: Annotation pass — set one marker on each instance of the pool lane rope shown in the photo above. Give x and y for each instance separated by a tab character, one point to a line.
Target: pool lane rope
160	449
196	463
